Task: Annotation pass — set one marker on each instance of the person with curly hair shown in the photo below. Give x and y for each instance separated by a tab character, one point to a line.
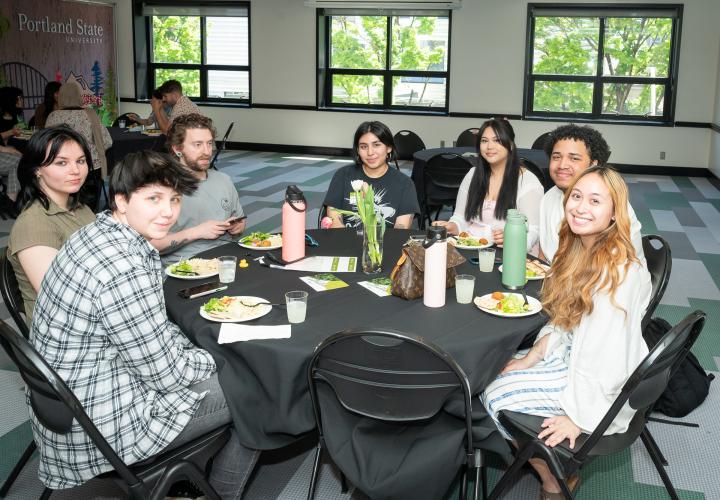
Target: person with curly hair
595	296
572	149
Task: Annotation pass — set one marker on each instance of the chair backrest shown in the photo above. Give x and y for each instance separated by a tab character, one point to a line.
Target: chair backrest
532	167
388	376
25	77
540	141
11	294
407	143
468	138
659	263
645	385
443	175
221	145
53	403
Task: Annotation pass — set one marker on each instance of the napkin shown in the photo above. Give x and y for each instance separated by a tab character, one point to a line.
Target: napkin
233	332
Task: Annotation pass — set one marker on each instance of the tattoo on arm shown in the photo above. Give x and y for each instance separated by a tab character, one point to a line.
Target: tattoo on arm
174	245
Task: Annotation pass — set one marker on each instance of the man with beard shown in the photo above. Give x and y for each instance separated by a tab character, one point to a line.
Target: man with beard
214	209
171	95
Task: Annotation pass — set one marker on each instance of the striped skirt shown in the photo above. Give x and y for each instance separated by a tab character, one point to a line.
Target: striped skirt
535	391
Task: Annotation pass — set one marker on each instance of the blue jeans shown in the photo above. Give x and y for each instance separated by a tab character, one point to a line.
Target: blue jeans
233	463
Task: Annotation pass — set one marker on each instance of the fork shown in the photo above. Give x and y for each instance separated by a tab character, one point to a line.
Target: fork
522	291
261	304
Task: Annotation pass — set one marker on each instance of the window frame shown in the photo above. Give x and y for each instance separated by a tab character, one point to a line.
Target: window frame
598	80
145	67
325	72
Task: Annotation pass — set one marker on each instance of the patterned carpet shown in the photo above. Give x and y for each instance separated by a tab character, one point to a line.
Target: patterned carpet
683	210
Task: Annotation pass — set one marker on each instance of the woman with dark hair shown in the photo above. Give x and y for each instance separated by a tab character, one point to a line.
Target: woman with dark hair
498	184
84	120
11	101
373	149
49	104
595	297
51	173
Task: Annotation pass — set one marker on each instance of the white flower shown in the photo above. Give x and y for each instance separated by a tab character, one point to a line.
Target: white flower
357	184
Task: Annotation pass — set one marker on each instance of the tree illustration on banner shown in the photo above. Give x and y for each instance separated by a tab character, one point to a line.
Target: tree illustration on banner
97	80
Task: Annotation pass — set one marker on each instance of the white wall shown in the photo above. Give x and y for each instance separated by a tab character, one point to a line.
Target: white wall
487	67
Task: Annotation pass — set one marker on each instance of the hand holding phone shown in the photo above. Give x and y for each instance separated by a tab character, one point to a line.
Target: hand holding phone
200	290
237	219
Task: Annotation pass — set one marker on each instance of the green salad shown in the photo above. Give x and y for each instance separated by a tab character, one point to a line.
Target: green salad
217	304
512	304
254	237
183	268
471	242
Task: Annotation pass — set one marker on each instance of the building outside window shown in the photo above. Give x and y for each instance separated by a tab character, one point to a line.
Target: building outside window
599	62
205	47
397	61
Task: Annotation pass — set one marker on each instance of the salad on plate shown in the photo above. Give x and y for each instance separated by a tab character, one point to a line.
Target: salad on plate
261	240
194	268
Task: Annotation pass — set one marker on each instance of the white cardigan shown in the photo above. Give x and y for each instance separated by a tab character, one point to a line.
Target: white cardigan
606	347
529	195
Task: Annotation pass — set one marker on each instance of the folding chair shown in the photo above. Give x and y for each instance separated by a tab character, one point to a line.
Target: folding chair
221	146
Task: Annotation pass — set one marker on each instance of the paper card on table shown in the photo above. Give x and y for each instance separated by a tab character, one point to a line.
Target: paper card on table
319	264
322	282
232	332
378	286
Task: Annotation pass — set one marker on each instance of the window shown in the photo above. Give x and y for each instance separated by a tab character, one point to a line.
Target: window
203	46
597	62
397	61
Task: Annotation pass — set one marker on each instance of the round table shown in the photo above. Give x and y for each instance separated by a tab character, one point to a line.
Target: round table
265	381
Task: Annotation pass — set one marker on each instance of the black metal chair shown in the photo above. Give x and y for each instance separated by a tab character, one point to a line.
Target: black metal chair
641	390
407	143
468	138
391	377
659	263
56	407
532	167
541	141
8	210
25	77
221	146
443	174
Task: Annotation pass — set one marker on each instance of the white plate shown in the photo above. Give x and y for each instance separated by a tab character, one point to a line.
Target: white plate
528	278
465	247
248	299
185	277
251	247
535	307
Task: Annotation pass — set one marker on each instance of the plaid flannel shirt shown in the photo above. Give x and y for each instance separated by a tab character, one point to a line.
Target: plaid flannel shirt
100	322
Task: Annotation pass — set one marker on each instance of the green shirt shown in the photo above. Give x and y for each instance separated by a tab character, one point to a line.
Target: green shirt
36	226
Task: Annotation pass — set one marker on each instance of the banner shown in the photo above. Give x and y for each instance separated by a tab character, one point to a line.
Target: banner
56	40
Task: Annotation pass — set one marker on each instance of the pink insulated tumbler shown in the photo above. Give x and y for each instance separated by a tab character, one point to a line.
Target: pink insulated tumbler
293	225
435	266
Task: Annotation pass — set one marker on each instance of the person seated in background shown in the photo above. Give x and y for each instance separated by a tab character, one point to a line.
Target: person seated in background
214	208
151	120
572	149
373	148
499	183
51	173
49	104
172	95
11	103
100	322
83	120
595	296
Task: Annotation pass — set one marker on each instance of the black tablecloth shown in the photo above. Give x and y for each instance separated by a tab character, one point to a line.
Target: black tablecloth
420	158
265	381
125	142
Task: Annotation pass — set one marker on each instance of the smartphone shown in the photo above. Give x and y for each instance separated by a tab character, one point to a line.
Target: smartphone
236	220
200	290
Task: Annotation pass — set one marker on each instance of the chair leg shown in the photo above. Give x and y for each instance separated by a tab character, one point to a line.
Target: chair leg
343	483
654	448
480	476
17	469
659	466
46	494
316	469
510	474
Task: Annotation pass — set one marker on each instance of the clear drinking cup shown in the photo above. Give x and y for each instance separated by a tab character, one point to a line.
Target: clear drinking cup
464	288
296	305
226	268
486	259
121	123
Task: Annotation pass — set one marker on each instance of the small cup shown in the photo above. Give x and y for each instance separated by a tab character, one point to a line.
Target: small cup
464	288
121	123
486	259
226	268
296	305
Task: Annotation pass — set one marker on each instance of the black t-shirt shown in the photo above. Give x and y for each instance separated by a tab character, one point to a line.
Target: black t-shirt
394	193
7	123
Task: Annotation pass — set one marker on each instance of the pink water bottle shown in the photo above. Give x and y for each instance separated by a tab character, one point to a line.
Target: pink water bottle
293	225
435	266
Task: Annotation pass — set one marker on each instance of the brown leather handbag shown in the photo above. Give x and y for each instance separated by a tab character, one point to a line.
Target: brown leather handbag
408	274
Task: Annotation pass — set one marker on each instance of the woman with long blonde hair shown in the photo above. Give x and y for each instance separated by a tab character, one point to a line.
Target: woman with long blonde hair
595	296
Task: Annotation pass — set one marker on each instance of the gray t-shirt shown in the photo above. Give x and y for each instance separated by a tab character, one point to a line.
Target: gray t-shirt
215	199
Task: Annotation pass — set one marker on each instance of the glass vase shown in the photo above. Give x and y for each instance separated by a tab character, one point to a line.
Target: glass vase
372	253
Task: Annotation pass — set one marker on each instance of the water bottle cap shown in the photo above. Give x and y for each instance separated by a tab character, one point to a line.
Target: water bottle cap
436	233
293	193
